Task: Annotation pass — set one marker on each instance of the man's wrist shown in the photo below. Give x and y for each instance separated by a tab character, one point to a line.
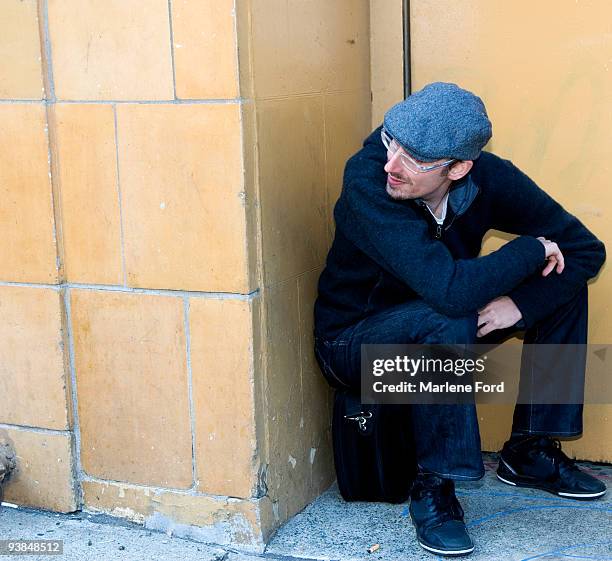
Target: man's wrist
520	323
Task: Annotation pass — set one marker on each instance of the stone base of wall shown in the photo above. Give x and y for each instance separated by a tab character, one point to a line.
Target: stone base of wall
45	477
242	523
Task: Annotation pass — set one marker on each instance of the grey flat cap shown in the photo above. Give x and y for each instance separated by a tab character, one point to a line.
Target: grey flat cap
440	121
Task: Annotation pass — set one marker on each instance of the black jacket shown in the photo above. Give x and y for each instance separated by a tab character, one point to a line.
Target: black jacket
386	252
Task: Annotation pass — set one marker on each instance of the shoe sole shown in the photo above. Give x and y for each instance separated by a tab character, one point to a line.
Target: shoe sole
554	492
449	553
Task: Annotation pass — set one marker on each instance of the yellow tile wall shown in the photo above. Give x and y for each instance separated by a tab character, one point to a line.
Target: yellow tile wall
317	46
547	114
288	472
26	214
205	49
182	196
292	179
317	396
177	188
223	382
549	108
116	49
312	112
21	70
87	173
131	373
44	476
346	125
129	195
386	56
34	385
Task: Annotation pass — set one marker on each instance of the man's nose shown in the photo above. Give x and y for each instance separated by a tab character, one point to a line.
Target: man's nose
393	163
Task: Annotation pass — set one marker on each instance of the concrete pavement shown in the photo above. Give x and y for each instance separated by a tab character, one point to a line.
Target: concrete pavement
507	524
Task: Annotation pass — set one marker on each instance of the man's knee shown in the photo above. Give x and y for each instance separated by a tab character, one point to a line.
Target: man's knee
419	322
458	330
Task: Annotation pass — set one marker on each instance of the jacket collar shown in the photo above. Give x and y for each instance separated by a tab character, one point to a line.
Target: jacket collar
462	194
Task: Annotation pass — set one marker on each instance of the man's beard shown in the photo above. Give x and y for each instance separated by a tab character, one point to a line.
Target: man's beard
396	191
397	194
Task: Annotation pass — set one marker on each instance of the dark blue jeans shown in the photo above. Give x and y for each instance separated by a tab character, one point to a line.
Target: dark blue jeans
447	437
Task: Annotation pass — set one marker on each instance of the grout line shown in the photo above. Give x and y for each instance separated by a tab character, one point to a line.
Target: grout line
76	429
30	428
190	392
261	377
168	292
56	206
300	353
172	48
135	101
236	52
186	101
57	287
121	231
280	282
191	491
22	101
153	291
50	95
329	218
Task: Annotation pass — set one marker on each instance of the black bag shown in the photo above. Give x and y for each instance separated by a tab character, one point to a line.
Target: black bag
373	449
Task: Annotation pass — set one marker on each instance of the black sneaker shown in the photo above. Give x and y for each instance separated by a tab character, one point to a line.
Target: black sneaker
438	517
538	462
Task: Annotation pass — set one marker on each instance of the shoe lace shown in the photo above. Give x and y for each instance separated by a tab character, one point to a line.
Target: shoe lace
552	448
441	503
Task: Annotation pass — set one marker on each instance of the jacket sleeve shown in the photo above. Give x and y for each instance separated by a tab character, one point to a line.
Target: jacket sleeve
392	234
525	209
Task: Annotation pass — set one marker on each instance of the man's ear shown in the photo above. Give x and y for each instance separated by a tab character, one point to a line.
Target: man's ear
459	169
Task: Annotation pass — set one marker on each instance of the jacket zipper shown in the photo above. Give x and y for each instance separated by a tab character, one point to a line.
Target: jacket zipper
438	234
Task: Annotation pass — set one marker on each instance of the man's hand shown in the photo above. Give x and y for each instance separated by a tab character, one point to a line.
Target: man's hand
497	314
553	255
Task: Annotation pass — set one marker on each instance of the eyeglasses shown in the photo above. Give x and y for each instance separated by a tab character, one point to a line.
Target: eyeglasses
409	163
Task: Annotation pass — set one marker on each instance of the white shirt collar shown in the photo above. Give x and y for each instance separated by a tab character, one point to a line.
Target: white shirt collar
444	207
